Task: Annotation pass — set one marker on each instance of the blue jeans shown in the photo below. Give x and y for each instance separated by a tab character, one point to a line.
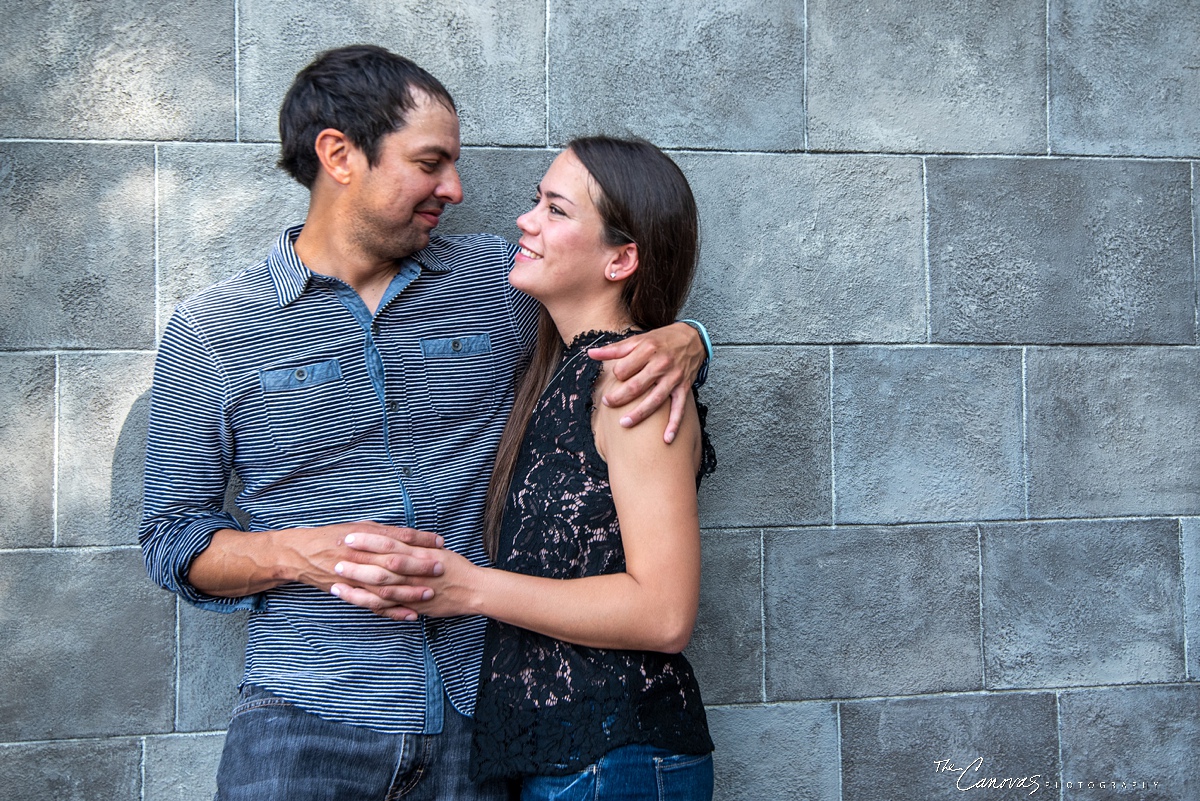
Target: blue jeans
630	773
275	751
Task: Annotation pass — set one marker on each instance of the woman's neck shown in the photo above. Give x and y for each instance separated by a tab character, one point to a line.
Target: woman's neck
571	320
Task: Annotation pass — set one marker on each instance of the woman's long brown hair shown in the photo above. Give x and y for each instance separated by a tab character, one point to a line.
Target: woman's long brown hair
643	197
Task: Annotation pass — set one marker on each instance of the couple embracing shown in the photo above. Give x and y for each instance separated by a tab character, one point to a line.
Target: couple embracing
488	631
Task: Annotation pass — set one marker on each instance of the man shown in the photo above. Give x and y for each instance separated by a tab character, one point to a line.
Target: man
361	372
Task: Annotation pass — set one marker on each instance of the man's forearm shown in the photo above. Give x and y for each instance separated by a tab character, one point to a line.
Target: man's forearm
238	563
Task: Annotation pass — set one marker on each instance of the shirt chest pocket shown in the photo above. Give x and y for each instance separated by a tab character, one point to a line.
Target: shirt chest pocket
308	407
460	373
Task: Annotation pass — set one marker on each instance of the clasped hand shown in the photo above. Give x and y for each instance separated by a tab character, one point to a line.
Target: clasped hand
399	585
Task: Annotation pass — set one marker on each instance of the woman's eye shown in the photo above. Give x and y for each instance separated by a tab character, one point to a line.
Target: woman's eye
555	209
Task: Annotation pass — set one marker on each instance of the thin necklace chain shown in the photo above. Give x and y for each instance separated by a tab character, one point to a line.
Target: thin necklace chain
575	356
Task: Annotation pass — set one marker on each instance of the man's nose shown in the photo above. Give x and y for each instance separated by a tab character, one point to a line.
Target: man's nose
450	190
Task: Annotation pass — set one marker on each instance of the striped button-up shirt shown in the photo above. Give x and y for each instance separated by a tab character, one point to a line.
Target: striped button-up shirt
329	414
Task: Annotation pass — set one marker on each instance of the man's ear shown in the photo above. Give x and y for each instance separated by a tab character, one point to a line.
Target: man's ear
336	154
623	264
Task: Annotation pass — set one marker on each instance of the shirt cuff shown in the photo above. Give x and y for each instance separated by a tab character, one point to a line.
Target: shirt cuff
192	541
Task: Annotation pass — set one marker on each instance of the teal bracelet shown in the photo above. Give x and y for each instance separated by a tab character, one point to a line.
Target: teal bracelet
702	376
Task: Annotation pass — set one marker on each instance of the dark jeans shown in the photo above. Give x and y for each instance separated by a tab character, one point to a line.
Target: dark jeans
631	773
274	751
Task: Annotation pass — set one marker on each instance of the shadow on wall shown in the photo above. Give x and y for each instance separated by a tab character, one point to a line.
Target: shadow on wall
128	472
128	468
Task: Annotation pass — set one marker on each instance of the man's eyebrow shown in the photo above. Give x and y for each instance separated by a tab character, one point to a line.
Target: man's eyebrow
440	152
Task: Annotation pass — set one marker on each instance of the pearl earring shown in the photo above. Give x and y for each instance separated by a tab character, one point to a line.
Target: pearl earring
612	275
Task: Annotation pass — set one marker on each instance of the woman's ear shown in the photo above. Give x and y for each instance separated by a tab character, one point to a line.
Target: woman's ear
335	152
623	264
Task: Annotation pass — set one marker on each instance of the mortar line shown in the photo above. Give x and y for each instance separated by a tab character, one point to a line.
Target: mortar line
925	246
893	154
1025	429
1187	665
157	269
54	459
762	609
804	79
81	351
142	768
72	548
982	639
546	69
838	712
832	459
1195	267
237	72
1048	148
178	660
1058	732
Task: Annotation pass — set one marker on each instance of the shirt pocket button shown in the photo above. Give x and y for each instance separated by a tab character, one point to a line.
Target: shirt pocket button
301	374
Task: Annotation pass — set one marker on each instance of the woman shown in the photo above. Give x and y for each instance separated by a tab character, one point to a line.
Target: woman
583	690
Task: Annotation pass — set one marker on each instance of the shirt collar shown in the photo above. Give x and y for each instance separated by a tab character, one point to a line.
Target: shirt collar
291	277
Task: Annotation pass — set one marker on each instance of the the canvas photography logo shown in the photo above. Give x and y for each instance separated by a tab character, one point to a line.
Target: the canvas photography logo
973	776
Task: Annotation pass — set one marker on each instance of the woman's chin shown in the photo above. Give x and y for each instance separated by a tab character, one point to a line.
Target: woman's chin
520	280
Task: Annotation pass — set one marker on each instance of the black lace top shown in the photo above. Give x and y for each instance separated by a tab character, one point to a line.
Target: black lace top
546	706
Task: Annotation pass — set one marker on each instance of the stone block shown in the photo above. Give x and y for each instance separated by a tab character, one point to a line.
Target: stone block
182	767
118	70
76	770
1143	742
730	77
855	612
934	76
489	56
104	408
1060	251
212	654
941	748
769	420
77	248
804	249
1191	585
1070	603
27	386
726	648
1110	431
498	187
89	646
221	208
1123	77
927	434
782	752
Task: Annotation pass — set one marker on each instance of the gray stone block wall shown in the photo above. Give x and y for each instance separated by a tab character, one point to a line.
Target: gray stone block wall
950	265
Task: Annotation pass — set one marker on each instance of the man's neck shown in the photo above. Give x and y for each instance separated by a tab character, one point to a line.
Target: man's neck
326	251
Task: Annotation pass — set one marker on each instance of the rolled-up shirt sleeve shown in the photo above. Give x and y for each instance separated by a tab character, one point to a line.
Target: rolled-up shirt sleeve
189	456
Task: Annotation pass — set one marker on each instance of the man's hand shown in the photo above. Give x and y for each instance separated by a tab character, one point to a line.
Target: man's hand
652	367
239	563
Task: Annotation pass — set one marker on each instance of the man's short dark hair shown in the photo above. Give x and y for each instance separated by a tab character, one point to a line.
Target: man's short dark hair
363	91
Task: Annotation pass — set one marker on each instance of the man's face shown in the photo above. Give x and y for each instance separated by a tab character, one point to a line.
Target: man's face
399	200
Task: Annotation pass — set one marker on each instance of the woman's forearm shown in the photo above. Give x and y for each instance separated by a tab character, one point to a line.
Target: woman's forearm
609	611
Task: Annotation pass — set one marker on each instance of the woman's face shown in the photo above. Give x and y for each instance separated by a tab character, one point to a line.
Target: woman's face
563	254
